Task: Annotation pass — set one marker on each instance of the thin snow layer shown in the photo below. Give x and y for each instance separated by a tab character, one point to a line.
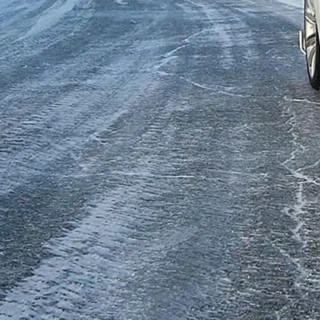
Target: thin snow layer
53	14
93	263
293	3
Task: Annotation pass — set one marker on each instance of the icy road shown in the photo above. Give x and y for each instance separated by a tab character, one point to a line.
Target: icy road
159	160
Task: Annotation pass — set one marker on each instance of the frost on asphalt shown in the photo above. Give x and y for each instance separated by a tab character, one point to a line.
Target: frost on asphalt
153	164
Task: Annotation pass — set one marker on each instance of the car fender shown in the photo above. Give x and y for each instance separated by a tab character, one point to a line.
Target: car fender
317	12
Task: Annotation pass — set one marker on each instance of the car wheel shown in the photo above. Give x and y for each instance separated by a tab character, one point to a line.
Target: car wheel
312	44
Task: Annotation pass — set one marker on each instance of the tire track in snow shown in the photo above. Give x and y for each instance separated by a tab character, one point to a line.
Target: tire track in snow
58	138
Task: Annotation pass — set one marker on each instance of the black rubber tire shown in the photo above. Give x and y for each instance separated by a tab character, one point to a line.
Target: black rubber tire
315	80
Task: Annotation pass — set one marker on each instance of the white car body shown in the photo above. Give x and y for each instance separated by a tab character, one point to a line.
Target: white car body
310	41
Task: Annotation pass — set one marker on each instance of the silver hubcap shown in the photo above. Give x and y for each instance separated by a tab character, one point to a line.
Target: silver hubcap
311	37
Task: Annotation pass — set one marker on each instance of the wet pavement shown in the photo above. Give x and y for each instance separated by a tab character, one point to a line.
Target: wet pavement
158	160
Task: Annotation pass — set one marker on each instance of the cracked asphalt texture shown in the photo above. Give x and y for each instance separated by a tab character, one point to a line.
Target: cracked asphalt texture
159	160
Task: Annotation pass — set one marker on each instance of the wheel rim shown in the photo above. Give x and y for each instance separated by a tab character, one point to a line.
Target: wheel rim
311	37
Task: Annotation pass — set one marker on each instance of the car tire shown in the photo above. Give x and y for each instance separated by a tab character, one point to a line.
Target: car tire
312	44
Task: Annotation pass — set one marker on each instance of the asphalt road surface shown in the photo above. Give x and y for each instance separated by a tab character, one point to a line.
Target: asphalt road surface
159	160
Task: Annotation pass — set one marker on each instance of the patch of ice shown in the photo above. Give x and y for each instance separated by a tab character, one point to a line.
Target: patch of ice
292	3
53	14
121	2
